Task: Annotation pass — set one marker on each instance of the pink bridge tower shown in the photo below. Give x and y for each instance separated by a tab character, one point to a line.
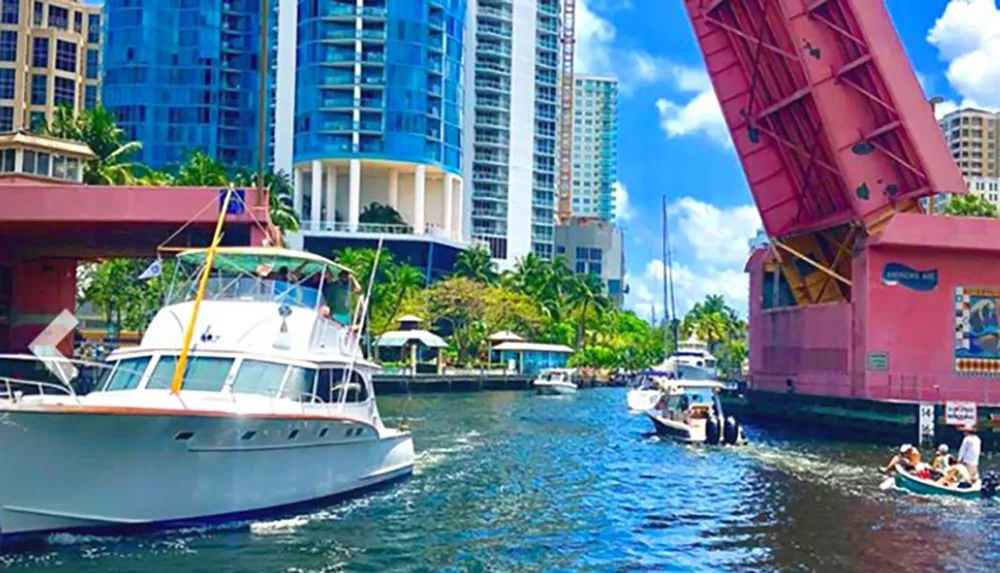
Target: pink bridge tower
856	295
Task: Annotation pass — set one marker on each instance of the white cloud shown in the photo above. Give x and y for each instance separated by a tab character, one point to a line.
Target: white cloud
715	236
944	108
967	36
713	243
597	52
619	195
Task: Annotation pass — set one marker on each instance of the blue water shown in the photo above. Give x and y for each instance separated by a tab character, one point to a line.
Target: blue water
516	482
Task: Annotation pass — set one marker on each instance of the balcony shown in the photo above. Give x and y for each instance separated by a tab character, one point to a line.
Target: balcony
504	14
372	12
338	12
493	31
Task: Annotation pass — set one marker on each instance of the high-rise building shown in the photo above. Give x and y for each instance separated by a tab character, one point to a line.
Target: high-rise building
50	56
591	245
595	146
512	75
974	138
182	75
377	123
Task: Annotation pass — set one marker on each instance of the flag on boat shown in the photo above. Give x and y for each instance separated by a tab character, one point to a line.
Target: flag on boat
153	270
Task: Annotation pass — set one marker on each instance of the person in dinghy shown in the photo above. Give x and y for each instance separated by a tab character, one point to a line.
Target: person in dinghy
909	459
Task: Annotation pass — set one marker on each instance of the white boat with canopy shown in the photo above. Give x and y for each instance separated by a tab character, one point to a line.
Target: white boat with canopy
248	394
690	411
555	381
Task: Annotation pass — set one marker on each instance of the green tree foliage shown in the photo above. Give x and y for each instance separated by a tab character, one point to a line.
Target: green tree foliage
113	288
477	265
721	327
971	205
99	130
379	214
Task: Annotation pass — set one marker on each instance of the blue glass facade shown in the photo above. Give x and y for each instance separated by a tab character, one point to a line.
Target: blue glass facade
182	75
381	81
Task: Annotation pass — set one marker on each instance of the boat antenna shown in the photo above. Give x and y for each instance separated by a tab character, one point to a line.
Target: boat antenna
360	316
669	269
178	381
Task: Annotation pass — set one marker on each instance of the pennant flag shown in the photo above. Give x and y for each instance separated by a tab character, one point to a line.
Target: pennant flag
152	270
237	203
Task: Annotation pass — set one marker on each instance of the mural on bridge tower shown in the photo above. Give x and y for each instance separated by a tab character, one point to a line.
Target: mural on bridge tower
977	331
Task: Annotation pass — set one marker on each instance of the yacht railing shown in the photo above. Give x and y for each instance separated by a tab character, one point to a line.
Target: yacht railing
13	389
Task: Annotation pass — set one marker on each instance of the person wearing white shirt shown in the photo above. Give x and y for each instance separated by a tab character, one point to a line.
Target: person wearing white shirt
968	453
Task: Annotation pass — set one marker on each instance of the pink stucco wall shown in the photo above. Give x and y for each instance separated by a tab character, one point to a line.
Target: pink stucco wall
824	349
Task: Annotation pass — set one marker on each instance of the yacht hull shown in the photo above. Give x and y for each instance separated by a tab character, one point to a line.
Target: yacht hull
676	430
97	471
555	388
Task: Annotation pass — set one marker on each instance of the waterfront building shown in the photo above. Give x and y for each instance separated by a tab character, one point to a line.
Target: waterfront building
512	60
377	123
592	245
973	136
181	75
595	146
50	56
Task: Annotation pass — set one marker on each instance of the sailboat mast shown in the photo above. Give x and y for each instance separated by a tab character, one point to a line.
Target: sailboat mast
666	302
670	271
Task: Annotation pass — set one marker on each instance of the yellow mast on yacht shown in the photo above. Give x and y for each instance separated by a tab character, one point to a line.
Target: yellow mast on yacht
178	381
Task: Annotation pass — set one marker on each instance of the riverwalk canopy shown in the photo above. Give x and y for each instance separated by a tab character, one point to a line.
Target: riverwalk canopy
400	338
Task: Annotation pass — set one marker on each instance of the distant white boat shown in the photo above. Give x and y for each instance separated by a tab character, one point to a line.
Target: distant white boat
555	381
691	361
645	392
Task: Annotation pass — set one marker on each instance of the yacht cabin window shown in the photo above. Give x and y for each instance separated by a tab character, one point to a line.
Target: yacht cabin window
125	374
330	383
203	373
299	385
259	377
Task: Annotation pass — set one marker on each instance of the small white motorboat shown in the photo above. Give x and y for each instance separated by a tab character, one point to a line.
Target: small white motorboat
555	381
690	411
644	392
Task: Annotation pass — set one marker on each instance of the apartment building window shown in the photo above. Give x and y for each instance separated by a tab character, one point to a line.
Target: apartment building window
8	45
93	64
7	120
40	53
90	97
65	92
93	28
39	89
6	83
11	8
58	17
65	56
39	14
78	22
38	122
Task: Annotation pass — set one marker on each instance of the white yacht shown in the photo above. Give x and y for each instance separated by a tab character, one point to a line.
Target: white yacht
691	361
553	381
274	408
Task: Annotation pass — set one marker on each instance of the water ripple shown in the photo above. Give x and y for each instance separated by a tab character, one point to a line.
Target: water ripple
512	482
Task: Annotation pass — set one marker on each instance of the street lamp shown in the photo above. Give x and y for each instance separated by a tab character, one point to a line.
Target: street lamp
934	101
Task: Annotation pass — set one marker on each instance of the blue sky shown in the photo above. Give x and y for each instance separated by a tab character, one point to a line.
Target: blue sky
672	140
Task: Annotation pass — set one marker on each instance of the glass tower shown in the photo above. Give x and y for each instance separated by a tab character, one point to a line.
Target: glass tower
182	75
380	80
595	146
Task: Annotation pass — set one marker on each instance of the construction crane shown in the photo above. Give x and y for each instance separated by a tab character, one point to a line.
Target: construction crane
567	84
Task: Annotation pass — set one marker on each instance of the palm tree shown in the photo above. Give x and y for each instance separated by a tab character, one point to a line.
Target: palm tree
587	293
402	280
477	264
98	129
202	170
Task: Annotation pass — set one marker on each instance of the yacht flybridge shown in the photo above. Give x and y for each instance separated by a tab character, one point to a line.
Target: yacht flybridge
246	395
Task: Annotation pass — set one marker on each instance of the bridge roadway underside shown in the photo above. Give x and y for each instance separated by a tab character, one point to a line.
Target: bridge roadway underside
46	229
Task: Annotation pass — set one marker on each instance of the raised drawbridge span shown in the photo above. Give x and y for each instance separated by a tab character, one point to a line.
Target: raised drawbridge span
832	128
